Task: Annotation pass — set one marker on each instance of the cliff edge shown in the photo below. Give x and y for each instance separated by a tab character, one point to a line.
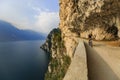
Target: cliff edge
78	19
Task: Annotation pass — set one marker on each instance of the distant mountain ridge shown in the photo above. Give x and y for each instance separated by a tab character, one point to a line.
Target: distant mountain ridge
8	32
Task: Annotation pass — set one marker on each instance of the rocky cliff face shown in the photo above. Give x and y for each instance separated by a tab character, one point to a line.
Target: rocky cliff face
79	18
53	37
59	61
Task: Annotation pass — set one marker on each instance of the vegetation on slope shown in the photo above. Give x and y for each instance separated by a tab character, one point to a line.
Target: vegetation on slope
59	61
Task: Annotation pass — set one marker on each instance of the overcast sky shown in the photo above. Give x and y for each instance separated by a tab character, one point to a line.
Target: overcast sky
37	15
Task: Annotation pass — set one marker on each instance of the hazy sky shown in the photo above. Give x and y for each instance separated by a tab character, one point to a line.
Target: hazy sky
38	15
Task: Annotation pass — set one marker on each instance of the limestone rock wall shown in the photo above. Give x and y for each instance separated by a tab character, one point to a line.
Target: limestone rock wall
50	44
59	61
79	18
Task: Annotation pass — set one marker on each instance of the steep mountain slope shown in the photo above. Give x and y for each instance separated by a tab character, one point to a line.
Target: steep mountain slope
78	19
8	32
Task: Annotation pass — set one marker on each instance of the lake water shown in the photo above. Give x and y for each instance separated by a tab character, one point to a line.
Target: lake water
22	60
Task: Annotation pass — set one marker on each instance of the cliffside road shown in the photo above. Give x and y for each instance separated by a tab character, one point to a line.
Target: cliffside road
103	62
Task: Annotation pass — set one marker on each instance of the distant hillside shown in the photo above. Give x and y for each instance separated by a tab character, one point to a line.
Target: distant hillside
8	32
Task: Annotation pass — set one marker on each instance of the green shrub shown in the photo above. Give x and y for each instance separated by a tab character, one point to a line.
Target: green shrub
61	62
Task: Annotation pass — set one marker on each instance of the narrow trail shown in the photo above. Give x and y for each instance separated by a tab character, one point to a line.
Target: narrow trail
100	62
111	55
103	62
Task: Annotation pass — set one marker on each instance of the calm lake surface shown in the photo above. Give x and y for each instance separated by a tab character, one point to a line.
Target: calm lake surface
22	60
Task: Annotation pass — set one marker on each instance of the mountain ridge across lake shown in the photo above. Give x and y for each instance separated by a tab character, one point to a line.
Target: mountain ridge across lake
9	32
